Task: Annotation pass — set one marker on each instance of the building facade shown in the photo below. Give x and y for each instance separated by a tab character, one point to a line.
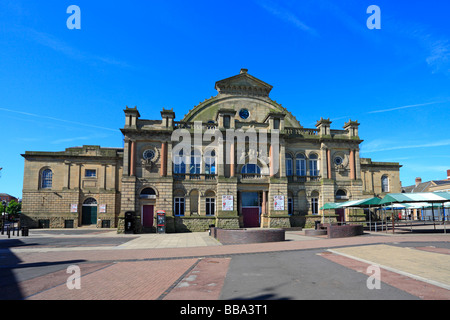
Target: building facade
238	159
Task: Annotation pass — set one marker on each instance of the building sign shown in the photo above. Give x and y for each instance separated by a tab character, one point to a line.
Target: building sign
227	203
278	202
102	208
74	208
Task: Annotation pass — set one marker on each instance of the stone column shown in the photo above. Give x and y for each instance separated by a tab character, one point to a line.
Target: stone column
105	166
282	166
163	159
113	177
264	202
271	169
352	164
357	165
232	162
329	163
67	175
133	158
126	157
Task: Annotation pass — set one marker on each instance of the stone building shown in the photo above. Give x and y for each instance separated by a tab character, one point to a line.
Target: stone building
238	159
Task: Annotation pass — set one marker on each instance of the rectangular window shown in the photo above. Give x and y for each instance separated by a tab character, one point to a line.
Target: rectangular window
179	165
90	173
313	169
315	206
276	123
210	165
249	199
226	122
210	206
301	167
179	206
196	165
288	167
290	206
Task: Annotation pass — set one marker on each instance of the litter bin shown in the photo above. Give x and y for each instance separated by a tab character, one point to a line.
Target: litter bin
210	228
24	231
161	221
317	223
129	222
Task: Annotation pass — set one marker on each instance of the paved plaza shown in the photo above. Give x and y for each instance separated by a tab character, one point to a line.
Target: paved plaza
195	266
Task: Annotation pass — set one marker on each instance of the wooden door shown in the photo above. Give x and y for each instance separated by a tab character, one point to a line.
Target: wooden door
147	216
251	217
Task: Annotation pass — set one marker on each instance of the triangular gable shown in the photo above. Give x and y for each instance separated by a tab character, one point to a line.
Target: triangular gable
243	83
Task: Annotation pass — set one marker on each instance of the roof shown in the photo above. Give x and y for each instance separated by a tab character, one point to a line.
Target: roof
423	186
436	197
353	203
397	200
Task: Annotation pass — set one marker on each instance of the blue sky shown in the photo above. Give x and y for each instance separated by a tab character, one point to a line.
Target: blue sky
61	88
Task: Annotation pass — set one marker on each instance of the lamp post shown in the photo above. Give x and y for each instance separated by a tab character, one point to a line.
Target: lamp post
3	215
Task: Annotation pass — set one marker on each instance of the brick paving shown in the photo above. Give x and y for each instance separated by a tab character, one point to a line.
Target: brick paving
162	273
420	289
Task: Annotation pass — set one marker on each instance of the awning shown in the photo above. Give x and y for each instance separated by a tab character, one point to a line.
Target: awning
353	203
330	205
431	197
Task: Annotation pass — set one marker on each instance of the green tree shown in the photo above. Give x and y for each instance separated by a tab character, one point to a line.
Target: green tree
13	209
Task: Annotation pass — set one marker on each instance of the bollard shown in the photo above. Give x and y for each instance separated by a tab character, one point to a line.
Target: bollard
8	232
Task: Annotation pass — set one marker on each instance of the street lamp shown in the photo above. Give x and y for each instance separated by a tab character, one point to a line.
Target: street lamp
3	215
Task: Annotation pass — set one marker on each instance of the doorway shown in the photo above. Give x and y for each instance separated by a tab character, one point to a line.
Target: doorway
147	216
341	215
89	212
250	209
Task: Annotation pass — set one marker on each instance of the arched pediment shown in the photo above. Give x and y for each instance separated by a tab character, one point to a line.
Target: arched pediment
247	96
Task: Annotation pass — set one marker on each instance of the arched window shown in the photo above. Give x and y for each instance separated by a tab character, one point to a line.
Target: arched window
341	194
313	165
210	203
384	184
210	162
251	168
196	162
46	179
315	202
148	193
90	202
289	164
300	165
179	163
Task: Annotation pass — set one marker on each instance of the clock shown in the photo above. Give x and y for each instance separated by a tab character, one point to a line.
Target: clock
338	160
149	154
244	114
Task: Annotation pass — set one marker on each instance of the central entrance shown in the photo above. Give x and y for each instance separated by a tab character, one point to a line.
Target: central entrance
89	212
250	209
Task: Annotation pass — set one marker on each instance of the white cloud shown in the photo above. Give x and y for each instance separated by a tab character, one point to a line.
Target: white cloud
56	119
439	58
381	145
405	107
286	16
69	51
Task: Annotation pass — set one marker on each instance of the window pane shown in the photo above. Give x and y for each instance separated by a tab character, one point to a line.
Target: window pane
47	177
90	173
249	199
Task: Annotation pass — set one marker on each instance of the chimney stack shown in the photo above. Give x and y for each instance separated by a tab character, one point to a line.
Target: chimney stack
418	181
